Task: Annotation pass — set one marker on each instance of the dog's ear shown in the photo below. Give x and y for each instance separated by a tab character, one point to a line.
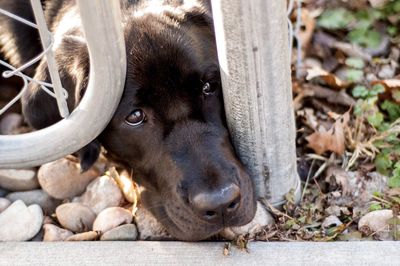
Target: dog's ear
199	15
40	109
89	154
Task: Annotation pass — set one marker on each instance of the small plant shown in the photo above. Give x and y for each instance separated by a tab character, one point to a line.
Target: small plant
382	117
361	25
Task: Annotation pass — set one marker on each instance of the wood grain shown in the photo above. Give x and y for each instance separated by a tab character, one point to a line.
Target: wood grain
253	50
179	253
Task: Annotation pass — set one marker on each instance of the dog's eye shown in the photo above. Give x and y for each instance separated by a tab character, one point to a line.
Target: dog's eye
208	89
136	118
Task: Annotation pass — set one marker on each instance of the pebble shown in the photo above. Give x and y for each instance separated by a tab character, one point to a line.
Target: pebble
3	192
111	218
261	219
377	222
54	233
9	123
331	221
387	72
62	179
75	217
101	193
19	222
4	203
126	232
39	197
39	236
378	3
18	180
87	236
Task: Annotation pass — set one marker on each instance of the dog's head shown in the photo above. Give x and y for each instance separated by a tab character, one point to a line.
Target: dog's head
169	127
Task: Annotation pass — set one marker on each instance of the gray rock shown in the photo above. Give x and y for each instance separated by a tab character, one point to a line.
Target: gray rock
331	221
38	237
19	222
377	223
62	179
4	203
111	218
75	217
38	197
18	180
54	233
387	72
101	193
87	236
3	192
126	232
9	123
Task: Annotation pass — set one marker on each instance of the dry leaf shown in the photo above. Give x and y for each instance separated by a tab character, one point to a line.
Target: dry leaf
331	140
326	78
392	87
341	178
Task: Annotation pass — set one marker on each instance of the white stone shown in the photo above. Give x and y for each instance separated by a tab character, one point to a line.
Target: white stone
378	3
18	180
4	203
9	123
101	193
377	222
111	218
62	179
75	217
39	197
331	221
19	222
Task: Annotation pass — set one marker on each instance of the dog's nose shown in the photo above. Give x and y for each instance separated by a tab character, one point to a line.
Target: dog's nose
217	204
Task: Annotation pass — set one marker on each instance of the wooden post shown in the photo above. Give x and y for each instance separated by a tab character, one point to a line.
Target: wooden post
252	40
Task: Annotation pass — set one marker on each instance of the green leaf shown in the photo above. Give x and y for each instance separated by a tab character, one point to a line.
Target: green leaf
375	119
394	181
360	91
383	163
375	207
366	18
365	37
355	62
393	109
354	75
377	89
335	19
396	95
392	31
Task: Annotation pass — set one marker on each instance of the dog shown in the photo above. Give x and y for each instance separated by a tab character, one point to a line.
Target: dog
169	127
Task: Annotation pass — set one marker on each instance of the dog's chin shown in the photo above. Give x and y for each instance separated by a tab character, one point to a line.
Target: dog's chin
183	224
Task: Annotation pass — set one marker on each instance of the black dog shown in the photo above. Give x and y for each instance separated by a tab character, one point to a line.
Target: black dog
169	126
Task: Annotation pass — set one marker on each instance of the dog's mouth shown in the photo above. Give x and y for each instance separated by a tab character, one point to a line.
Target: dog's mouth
187	224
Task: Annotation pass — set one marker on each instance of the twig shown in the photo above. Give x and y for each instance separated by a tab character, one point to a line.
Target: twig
308	179
274	210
